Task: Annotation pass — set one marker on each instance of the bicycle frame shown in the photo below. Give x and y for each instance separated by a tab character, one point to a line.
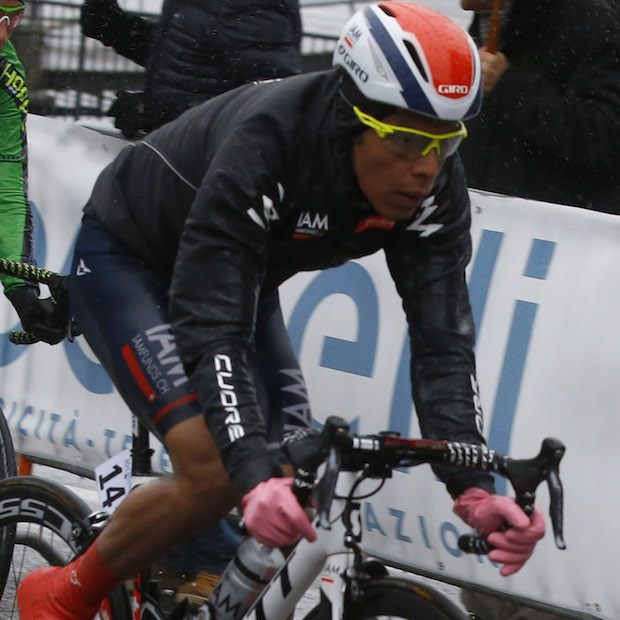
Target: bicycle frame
326	556
330	556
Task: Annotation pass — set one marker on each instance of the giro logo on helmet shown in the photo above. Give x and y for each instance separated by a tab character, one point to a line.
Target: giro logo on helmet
453	89
357	71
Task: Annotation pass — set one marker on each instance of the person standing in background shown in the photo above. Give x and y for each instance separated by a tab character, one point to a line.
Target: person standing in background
198	49
550	123
40	317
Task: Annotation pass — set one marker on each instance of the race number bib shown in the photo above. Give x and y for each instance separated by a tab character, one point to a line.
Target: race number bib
114	480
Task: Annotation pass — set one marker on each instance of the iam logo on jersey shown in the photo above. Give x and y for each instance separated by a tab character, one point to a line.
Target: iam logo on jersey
310	225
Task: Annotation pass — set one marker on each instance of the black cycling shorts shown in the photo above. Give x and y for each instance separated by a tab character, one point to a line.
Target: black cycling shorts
121	305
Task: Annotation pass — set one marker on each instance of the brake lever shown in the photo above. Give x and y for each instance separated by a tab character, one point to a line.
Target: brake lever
306	450
526	475
556	507
326	488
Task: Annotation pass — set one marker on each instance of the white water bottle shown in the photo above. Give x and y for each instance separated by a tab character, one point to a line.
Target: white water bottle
243	580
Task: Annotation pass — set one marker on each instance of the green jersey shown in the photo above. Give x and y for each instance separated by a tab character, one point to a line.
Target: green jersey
15	214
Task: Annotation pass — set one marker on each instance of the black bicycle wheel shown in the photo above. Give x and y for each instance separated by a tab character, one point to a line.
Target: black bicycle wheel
8	462
8	468
51	528
42	546
390	597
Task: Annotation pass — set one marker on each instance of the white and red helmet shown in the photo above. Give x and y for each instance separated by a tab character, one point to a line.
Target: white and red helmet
412	57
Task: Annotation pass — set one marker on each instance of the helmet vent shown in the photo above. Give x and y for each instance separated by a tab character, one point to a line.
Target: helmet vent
386	10
416	58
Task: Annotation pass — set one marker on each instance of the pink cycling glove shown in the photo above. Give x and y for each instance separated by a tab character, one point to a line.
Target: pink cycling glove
488	514
274	516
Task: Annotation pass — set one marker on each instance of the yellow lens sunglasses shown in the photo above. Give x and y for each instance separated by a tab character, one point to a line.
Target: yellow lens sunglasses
413	143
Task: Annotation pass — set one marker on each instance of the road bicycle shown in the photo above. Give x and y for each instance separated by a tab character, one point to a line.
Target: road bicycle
352	585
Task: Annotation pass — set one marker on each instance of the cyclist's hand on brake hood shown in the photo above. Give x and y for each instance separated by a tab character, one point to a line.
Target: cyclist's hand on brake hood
273	514
489	514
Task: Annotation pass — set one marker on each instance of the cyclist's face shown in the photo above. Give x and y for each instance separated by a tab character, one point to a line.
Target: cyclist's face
9	19
396	185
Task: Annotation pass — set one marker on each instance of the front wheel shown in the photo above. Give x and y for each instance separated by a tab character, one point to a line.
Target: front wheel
392	597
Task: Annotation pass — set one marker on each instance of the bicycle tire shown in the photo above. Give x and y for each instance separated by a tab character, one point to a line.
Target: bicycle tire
57	519
8	468
42	547
409	599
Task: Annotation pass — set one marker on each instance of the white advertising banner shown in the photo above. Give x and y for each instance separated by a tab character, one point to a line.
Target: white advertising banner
544	298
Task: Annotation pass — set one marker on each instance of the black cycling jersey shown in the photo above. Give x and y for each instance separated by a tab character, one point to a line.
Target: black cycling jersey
251	187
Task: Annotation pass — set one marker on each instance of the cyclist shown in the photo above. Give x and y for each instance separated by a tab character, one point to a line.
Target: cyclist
38	316
187	236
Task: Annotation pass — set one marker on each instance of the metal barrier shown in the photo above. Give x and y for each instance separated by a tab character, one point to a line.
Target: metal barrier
72	75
